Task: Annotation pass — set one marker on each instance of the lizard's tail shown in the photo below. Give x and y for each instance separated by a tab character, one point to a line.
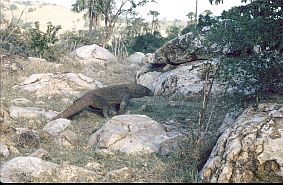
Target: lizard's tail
77	106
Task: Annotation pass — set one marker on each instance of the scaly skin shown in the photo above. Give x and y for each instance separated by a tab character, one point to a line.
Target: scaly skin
103	98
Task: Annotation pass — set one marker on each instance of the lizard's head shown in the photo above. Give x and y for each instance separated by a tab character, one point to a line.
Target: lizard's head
139	91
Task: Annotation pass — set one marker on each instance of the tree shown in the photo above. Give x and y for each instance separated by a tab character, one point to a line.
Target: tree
255	64
154	22
110	11
173	32
148	43
81	5
206	19
196	15
191	16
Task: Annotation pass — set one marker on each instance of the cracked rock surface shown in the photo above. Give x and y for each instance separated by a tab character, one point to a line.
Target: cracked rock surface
251	150
131	134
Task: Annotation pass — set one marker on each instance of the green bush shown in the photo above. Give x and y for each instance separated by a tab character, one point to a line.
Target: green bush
13	7
241	29
147	43
13	40
30	9
39	42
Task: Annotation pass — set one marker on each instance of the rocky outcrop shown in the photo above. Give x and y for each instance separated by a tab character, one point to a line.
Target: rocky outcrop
251	150
186	79
57	83
131	134
180	50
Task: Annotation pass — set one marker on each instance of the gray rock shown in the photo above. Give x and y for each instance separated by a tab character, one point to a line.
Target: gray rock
131	134
182	49
122	173
30	112
4	151
136	58
31	166
55	127
251	150
92	52
57	83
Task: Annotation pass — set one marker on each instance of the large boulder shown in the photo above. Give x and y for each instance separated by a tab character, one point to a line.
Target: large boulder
92	54
131	134
93	51
186	79
182	49
251	150
57	83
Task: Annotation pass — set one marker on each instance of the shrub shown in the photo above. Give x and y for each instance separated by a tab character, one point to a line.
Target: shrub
147	43
13	7
13	40
30	9
41	42
241	29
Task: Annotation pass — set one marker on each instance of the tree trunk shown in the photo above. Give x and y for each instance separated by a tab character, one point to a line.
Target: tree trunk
196	15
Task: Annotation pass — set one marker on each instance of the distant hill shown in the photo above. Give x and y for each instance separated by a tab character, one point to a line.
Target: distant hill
43	12
57	15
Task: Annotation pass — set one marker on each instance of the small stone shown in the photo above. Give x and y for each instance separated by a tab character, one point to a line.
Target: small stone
4	151
40	153
92	165
122	173
55	127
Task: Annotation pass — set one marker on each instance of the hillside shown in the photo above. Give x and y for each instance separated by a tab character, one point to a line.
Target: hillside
44	13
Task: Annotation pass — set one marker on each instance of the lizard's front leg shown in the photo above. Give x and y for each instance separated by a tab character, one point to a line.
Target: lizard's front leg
124	102
100	102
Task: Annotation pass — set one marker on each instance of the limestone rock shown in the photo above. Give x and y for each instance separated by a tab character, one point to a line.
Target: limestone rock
40	153
149	57
182	49
122	173
251	150
229	119
185	80
4	151
55	127
57	83
136	58
131	134
67	139
30	112
148	79
21	102
23	169
93	51
30	166
92	165
71	173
